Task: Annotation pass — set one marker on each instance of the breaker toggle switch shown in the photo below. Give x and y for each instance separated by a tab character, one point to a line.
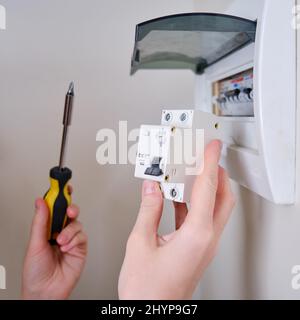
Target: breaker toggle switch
249	93
154	170
233	95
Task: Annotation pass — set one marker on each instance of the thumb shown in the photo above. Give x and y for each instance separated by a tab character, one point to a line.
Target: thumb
39	228
150	209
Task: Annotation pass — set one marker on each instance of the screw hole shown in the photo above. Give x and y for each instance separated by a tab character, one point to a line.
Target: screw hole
216	126
167	178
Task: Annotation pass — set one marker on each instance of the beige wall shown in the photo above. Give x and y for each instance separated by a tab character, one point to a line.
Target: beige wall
47	44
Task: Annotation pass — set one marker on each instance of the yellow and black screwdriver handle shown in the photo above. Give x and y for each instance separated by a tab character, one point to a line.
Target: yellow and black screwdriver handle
58	199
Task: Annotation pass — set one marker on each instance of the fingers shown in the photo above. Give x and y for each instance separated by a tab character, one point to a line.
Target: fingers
73	211
224	202
68	233
72	235
39	228
79	239
150	210
181	211
205	186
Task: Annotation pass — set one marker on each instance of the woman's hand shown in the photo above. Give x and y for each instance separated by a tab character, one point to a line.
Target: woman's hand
51	272
170	266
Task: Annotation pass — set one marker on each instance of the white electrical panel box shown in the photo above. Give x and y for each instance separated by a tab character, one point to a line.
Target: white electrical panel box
245	95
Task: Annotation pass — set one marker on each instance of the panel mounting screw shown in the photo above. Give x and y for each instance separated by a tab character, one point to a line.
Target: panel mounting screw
167	178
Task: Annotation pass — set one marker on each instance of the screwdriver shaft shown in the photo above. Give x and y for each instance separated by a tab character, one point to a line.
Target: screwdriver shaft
66	122
63	147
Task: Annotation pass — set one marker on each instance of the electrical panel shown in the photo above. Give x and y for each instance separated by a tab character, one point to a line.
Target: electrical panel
245	95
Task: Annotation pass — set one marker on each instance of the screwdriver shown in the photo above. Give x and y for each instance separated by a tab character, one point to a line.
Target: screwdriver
58	197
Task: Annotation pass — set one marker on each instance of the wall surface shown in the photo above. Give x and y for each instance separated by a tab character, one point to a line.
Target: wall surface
261	244
47	44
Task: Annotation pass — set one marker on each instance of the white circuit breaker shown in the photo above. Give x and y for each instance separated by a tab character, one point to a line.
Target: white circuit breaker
156	146
245	95
172	153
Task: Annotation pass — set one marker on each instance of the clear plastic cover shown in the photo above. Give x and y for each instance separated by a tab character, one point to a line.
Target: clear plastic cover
190	41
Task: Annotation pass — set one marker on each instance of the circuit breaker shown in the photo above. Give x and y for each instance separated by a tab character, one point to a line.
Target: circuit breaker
245	95
161	156
172	153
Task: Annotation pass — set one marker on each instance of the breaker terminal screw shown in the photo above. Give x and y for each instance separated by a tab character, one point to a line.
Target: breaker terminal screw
168	117
183	117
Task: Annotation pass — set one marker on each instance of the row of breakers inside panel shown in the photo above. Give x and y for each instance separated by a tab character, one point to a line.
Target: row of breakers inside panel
237	103
234	96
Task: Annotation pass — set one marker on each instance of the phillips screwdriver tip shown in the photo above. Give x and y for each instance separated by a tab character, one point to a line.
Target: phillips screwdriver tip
71	89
